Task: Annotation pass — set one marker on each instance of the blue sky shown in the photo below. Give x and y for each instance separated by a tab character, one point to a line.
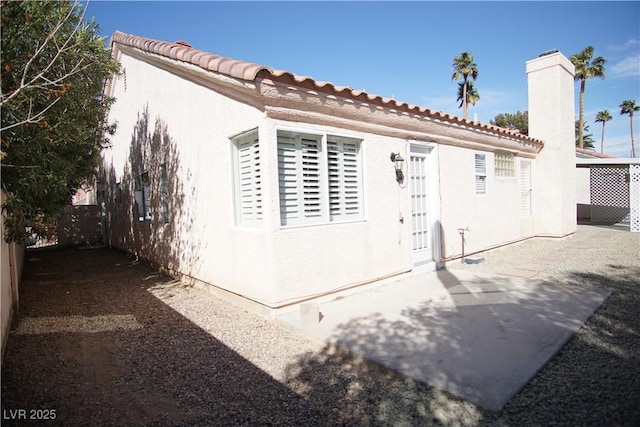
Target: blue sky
405	49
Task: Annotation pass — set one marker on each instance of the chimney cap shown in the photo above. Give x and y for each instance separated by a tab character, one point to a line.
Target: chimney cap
548	52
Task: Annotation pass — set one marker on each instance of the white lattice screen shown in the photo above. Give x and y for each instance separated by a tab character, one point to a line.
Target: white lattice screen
634	196
609	194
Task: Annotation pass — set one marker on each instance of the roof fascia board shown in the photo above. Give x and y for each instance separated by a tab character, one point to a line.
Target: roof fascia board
585	163
307	85
288	102
463	138
109	86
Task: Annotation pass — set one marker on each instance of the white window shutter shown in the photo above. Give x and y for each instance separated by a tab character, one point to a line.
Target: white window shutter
300	180
249	180
344	170
311	184
525	187
481	173
315	188
287	171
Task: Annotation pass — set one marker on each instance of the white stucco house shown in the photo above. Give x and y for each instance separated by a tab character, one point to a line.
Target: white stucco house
279	188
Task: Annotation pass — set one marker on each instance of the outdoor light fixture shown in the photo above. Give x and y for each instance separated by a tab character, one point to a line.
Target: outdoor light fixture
398	161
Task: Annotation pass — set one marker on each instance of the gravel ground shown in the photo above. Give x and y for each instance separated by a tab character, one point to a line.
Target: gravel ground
104	340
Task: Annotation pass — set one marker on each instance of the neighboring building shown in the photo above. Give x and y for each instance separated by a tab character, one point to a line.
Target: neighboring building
609	191
584	153
583	183
280	188
85	195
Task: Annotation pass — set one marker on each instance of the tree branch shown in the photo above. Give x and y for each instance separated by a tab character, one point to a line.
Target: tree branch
30	118
26	82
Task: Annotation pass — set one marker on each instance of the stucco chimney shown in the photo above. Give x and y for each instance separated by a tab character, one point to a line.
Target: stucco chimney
552	119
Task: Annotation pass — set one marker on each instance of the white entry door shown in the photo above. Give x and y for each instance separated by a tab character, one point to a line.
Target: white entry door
421	217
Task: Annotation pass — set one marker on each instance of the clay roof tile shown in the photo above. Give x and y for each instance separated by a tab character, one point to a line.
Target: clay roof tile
184	52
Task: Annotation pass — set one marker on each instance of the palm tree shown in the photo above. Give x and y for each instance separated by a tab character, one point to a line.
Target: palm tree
603	116
629	107
586	68
463	68
472	94
587	140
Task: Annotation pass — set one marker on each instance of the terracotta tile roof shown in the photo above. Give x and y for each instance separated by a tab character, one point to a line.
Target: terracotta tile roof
184	52
592	153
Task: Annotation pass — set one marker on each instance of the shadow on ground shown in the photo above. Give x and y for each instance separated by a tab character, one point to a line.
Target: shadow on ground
593	380
169	371
166	372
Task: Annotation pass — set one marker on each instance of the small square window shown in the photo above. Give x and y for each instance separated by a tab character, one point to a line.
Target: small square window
505	164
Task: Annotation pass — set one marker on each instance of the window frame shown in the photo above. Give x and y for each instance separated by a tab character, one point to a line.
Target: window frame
328	188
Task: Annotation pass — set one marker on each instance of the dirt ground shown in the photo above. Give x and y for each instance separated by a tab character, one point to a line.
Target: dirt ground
159	369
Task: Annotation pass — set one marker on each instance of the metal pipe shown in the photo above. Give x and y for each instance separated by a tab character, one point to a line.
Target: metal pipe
461	231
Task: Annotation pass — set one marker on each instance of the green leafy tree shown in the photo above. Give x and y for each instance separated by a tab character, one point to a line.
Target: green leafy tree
464	68
518	121
472	95
587	67
603	117
587	138
54	117
629	107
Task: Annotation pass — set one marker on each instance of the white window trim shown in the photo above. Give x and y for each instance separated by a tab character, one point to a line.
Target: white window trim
477	175
324	217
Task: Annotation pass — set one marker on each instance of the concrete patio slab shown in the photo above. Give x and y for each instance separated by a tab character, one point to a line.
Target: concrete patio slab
547	261
537	267
519	272
569	252
480	337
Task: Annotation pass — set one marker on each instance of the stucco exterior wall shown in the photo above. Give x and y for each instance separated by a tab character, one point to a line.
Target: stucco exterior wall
182	118
315	260
552	118
493	218
168	119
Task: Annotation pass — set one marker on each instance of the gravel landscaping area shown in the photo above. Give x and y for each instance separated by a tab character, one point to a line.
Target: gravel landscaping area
104	340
